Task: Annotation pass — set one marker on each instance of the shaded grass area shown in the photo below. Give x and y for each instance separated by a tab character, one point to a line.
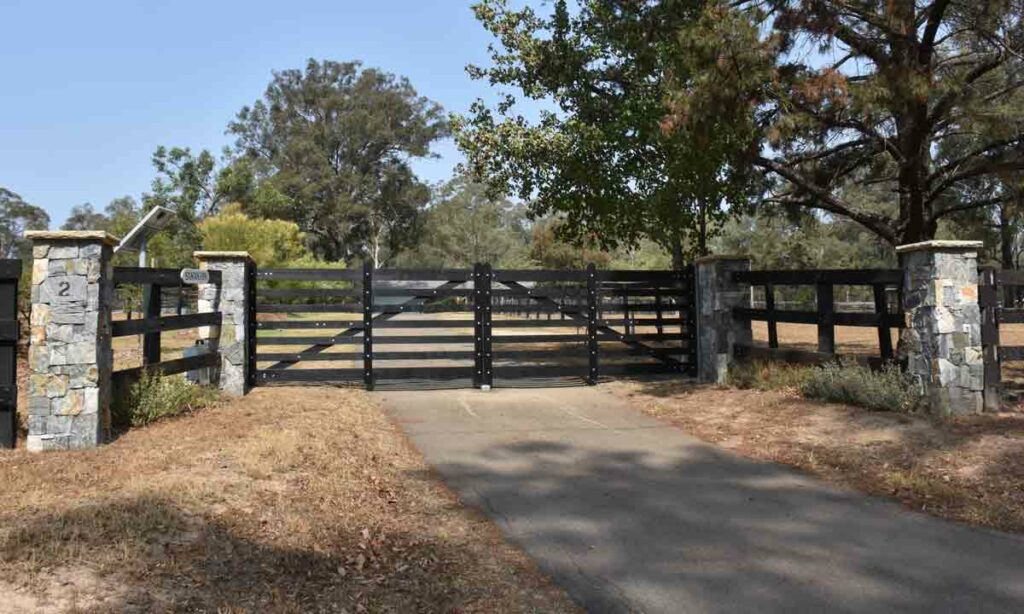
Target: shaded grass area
286	501
969	469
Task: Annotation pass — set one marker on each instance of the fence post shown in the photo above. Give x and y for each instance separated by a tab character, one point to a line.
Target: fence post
478	321
485	328
368	325
70	353
826	319
592	344
236	331
882	311
942	337
988	301
773	326
151	305
718	332
10	272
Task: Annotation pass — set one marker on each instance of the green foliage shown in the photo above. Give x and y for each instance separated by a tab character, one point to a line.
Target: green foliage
603	158
84	217
271	243
154	396
887	390
839	382
832	95
768	376
17	216
465	226
549	251
329	148
776	240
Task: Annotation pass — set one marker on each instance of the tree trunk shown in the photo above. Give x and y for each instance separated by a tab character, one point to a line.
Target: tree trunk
1006	259
702	230
677	253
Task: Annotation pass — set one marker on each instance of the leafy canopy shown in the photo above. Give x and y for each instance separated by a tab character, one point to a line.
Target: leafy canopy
598	155
17	216
271	243
465	225
835	93
329	148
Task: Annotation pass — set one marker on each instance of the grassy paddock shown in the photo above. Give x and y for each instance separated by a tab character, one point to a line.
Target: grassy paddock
289	500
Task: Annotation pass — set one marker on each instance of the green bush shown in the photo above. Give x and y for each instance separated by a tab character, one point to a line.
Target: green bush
768	376
154	396
889	389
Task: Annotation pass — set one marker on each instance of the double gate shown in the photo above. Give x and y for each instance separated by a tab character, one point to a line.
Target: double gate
481	327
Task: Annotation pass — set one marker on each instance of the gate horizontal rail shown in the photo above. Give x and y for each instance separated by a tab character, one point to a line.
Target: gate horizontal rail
578	316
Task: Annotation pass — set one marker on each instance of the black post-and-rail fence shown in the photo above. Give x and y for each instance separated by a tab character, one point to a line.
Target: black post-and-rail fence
494	326
472	325
883	283
154	283
10	273
993	313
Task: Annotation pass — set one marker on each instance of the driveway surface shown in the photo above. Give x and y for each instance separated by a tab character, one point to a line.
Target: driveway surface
631	515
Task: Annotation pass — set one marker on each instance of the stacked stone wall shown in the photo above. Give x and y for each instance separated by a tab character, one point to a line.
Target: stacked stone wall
70	353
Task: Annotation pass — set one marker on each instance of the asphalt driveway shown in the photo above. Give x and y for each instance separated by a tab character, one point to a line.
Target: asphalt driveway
632	515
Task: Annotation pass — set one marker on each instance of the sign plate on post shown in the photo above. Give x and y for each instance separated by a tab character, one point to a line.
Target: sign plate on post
195	276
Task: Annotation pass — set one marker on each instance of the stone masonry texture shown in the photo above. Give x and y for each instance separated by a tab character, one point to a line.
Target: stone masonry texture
942	336
717	331
230	299
70	354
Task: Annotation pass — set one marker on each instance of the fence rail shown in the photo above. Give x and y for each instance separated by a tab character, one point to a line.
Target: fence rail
604	307
154	282
825	315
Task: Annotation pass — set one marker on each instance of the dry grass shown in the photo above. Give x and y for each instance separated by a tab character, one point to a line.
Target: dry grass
855	340
286	501
968	469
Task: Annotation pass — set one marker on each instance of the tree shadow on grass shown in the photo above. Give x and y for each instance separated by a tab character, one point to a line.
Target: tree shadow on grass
635	525
148	554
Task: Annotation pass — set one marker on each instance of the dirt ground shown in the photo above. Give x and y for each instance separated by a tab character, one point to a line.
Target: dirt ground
969	469
286	501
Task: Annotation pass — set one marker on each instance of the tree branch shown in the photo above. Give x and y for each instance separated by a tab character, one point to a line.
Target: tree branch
826	201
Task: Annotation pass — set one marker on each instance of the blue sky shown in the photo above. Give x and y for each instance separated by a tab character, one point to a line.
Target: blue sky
89	89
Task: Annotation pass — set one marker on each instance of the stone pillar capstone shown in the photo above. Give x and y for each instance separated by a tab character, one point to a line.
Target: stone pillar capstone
231	299
70	352
718	332
942	336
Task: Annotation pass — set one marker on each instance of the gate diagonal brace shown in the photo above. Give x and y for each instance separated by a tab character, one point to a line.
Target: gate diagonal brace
386	315
582	318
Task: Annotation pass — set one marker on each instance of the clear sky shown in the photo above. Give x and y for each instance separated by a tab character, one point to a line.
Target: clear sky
89	89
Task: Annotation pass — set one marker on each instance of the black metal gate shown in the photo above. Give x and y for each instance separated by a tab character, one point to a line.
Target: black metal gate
470	327
10	272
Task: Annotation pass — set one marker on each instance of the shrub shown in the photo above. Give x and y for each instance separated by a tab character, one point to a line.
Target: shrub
154	396
845	382
767	376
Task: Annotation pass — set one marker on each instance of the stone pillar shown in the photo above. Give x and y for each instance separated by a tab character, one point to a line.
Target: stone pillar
232	341
70	353
718	333
942	336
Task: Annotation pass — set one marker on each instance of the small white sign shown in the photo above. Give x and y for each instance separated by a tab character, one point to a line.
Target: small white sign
195	276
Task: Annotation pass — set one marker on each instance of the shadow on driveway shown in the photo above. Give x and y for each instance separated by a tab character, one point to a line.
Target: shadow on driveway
629	514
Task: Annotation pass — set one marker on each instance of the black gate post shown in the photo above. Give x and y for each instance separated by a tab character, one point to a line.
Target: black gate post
368	325
988	300
882	311
688	281
478	321
151	304
487	375
250	322
10	271
592	345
